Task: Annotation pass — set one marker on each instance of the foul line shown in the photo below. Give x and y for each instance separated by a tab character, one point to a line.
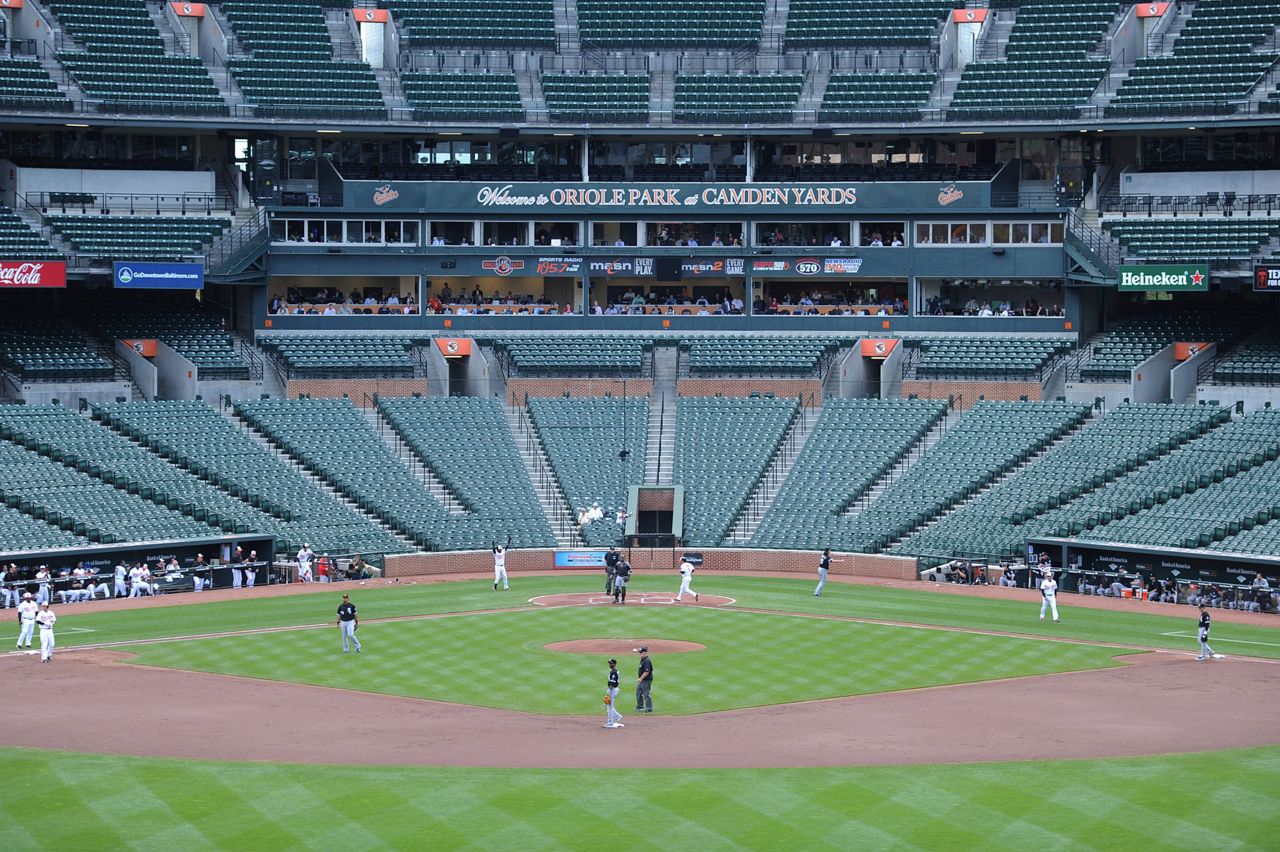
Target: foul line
1187	634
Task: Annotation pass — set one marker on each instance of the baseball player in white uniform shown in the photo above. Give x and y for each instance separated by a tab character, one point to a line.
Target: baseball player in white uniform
304	564
500	565
121	589
1049	595
686	577
26	620
46	619
43	594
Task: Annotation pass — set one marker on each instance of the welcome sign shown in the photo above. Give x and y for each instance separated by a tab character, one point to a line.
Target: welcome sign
1189	277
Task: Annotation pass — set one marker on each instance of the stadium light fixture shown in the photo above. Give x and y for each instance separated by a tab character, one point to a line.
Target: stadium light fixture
972	132
328	131
77	125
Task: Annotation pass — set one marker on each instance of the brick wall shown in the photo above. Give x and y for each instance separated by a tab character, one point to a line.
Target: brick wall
354	388
802	561
788	388
967	393
519	388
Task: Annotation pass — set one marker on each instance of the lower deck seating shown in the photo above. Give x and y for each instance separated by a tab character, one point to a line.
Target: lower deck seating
723	447
1113	357
582	439
961	358
197	438
178	323
1254	362
466	443
756	355
578	356
35	348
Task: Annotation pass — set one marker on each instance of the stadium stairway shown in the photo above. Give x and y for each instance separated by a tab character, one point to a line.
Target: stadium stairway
565	15
532	98
550	496
995	483
260	439
913	454
175	43
416	466
992	46
766	490
812	93
661	448
342	34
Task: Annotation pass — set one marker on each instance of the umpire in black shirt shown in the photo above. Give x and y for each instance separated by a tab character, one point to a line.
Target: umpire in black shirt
644	680
611	560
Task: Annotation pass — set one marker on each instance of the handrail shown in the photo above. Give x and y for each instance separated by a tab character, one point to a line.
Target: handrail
105	202
1094	240
230	242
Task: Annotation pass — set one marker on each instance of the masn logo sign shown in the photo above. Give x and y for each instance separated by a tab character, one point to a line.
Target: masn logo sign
1189	277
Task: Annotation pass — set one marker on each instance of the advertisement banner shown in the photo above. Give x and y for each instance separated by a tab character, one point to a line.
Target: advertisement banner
454	347
146	347
553	267
877	348
157	276
579	559
748	200
1152	10
1183	351
1266	279
188	10
43	273
1188	277
622	267
709	268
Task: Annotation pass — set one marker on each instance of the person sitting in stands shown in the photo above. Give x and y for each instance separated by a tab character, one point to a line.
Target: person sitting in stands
393	299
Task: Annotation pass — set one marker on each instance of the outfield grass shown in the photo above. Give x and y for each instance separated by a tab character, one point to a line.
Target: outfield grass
1146	624
1216	800
751	659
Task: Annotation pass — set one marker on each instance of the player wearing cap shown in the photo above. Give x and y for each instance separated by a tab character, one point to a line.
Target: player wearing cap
824	565
686	577
1049	595
26	620
611	560
621	576
8	592
644	681
348	622
612	718
1203	635
500	564
46	619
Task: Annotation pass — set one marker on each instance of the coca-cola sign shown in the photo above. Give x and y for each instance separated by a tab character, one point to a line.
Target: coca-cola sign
23	273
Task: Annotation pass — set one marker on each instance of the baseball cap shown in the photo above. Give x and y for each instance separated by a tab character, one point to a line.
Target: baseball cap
643	649
612	661
27	596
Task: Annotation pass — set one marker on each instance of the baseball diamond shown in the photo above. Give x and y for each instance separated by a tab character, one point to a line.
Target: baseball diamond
886	395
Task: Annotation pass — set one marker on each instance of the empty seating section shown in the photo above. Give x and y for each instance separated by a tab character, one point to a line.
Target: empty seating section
337	443
21	531
463	97
853	444
990	357
887	96
737	99
75	501
864	23
1186	239
999	521
1211	504
342	355
573	356
124	64
582	439
292	72
475	23
1059	29
103	239
19	242
466	443
76	442
755	355
40	349
197	438
1254	362
178	323
723	447
1213	66
1117	352
26	85
597	97
986	442
723	24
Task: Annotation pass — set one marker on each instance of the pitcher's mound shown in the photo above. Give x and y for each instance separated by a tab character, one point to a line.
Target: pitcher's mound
633	599
619	647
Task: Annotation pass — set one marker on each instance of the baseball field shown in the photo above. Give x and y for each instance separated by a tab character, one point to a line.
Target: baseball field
876	716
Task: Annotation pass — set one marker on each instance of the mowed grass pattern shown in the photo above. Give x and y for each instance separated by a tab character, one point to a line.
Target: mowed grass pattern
1218	800
751	659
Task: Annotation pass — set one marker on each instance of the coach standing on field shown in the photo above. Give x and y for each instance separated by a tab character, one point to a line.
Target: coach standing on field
348	623
644	680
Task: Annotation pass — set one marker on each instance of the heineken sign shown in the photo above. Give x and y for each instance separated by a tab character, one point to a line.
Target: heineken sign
1188	277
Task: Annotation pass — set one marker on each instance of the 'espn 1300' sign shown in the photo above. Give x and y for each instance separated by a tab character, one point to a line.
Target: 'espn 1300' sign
1266	279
